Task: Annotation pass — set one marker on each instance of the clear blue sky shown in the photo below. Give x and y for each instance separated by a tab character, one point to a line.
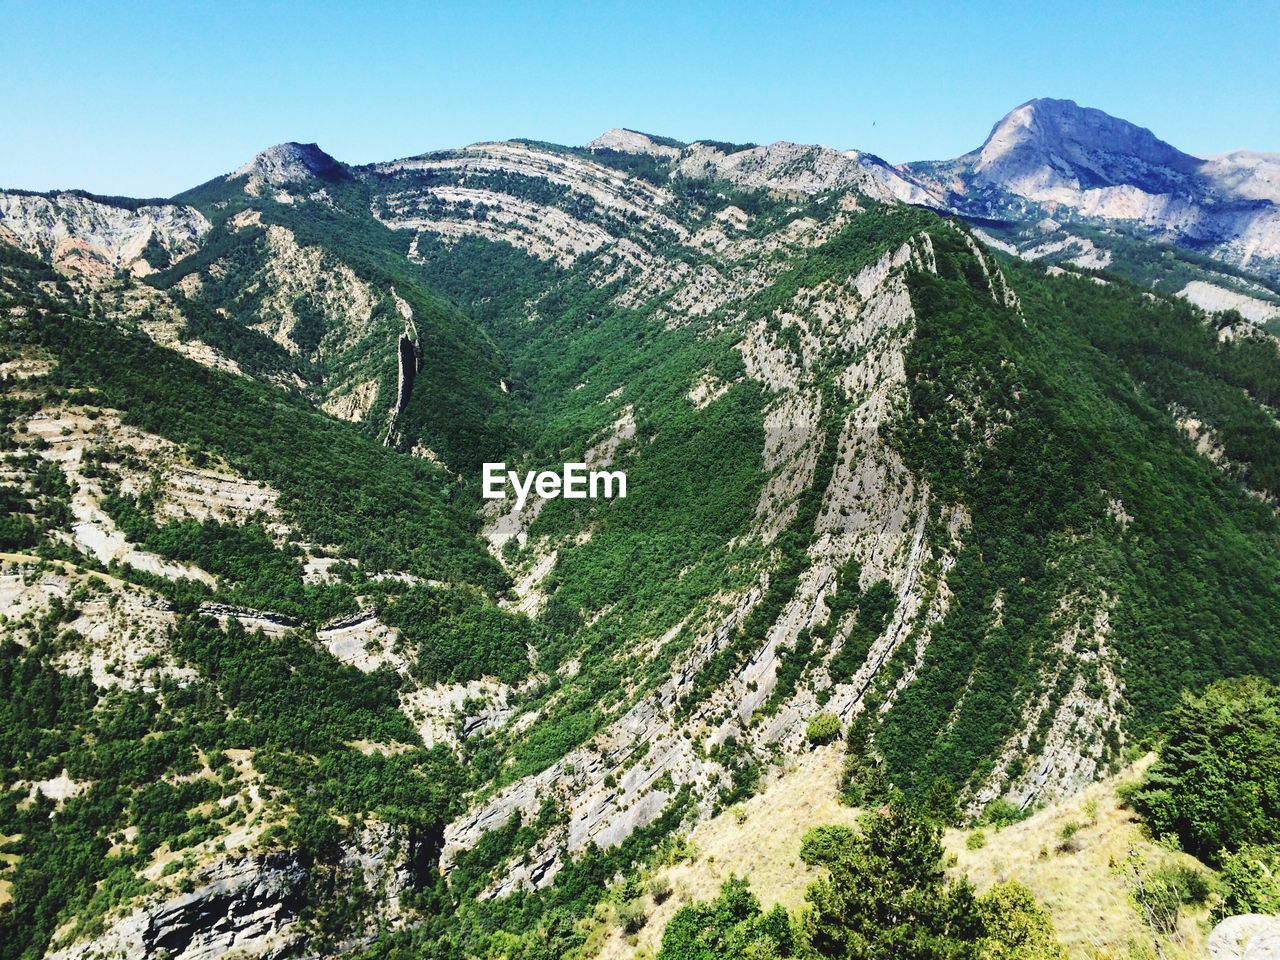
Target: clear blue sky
146	99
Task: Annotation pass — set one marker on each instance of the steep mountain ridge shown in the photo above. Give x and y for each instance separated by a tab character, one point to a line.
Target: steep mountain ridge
1083	147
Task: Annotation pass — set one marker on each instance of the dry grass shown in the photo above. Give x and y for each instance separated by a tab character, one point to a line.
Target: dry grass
1082	887
759	839
8	863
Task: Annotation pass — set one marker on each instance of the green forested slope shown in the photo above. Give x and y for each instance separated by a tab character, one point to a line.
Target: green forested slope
458	407
1078	399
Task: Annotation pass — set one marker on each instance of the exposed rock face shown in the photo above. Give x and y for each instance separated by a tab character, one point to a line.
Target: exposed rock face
633	141
480	191
288	163
1215	299
794	167
296	279
1074	160
627	775
1250	936
407	354
408	363
1045	156
249	905
353	404
67	435
79	234
1072	755
1047	145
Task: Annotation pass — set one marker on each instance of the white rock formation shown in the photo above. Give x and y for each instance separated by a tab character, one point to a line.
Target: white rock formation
79	234
1249	936
633	141
1215	299
287	163
1081	161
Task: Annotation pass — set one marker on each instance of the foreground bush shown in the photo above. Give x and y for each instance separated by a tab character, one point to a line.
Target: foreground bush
1216	784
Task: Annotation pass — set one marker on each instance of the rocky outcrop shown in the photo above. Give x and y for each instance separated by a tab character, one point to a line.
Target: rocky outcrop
1069	161
1250	936
407	369
92	531
272	624
792	167
295	280
249	905
622	140
554	205
1215	299
77	233
1065	736
408	363
289	163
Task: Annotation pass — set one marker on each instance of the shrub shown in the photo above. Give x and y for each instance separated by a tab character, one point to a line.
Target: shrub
1015	926
823	844
631	916
1001	813
1161	894
1214	784
976	840
659	888
823	728
1069	837
1251	881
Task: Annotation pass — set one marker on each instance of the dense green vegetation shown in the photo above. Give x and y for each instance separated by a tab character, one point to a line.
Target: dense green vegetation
383	510
875	606
294	707
1052	424
1216	783
1214	790
252	570
883	896
1073	406
458	408
728	927
1250	880
459	636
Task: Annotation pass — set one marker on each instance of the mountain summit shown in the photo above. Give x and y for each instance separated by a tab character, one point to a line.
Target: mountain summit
1056	159
289	163
1044	144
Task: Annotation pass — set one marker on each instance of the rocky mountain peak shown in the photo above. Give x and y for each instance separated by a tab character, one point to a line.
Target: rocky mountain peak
1057	158
633	141
1059	141
289	163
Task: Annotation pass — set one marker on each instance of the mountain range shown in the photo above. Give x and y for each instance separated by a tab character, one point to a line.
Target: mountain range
974	462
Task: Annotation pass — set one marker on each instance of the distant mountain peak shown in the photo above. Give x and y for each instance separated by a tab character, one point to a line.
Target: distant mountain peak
624	140
1061	141
290	163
